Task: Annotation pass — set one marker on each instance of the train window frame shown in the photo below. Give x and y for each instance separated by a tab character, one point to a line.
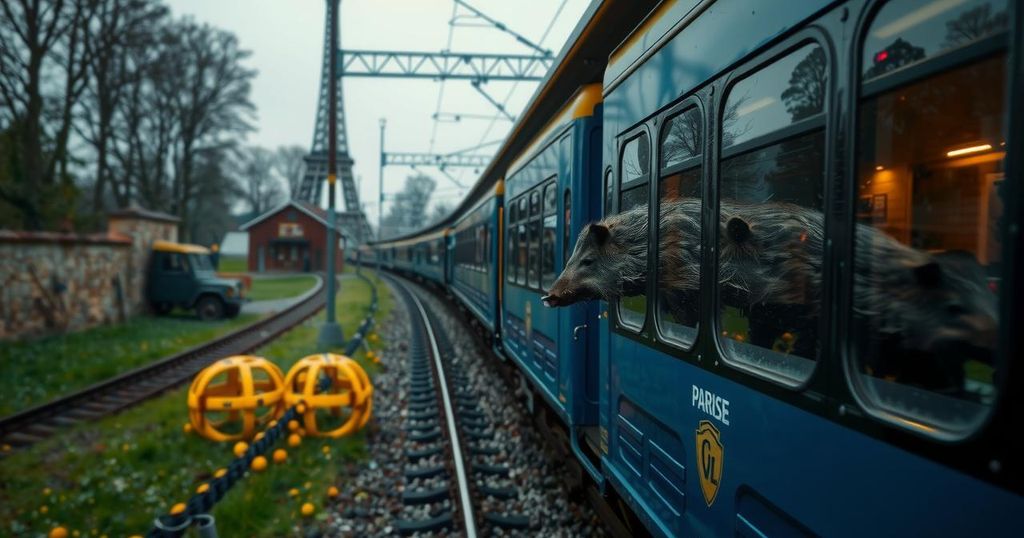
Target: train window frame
533	234
522	241
822	122
701	162
863	89
642	130
511	246
548	185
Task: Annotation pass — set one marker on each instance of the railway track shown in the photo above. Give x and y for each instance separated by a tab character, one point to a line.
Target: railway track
451	482
130	388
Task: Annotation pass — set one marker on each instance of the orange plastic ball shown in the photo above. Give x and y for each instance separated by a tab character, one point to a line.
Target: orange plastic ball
308	509
280	455
332	492
240	448
294	440
259	464
58	532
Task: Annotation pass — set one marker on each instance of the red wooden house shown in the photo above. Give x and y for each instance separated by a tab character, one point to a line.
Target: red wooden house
291	237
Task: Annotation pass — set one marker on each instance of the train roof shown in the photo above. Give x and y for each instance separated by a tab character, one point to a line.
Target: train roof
604	25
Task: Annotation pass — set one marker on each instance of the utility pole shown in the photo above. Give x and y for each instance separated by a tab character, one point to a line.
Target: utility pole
380	190
331	334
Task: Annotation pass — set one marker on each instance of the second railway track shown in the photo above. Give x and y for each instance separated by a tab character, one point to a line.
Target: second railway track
130	388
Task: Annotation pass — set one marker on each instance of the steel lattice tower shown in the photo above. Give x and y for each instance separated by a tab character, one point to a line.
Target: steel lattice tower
352	219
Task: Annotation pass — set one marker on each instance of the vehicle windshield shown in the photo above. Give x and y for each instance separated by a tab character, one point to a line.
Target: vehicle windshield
201	263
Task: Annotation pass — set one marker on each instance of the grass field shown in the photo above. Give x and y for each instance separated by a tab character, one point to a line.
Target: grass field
112	477
228	264
280	288
33	372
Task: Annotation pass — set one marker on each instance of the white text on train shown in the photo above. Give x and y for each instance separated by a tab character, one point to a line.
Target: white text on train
707	401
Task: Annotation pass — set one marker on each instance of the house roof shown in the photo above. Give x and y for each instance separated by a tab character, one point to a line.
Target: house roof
317	213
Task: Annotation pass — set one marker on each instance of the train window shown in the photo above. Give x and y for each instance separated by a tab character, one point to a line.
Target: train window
907	33
548	241
634	168
609	191
679	208
532	276
522	245
930	192
771	205
566	227
510	244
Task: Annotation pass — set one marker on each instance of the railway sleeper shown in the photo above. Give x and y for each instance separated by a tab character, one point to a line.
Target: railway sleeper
507	521
412	497
429	525
425	437
493	470
497	492
414	454
422	427
412	473
424	415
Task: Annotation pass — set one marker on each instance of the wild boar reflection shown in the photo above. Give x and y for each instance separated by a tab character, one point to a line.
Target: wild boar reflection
918	317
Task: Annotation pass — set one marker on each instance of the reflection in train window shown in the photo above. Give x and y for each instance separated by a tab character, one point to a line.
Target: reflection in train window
521	244
609	191
772	227
679	209
534	231
929	209
909	32
510	244
634	171
547	269
567	227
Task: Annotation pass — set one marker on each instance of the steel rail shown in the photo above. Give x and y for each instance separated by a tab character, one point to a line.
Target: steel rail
120	392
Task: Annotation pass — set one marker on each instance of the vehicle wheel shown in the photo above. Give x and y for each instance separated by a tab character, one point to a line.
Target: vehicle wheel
161	308
210	308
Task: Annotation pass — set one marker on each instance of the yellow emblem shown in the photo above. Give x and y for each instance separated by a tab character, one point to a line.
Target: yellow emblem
710	458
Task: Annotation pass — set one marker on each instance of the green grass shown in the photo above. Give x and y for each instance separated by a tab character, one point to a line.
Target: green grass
228	264
33	372
280	288
115	475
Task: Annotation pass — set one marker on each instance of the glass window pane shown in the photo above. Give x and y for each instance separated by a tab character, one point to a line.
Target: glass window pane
633	305
521	243
679	206
636	158
609	192
567	227
532	275
510	253
682	138
907	32
772	226
931	186
787	91
550	199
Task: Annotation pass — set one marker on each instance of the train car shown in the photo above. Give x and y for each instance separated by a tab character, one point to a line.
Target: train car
473	254
552	190
865	388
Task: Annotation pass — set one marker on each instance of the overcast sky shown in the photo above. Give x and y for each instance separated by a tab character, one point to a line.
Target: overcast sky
286	40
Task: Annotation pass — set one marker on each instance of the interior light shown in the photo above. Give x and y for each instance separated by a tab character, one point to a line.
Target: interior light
879	168
965	151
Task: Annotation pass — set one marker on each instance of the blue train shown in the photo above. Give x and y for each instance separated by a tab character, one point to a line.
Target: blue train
778	390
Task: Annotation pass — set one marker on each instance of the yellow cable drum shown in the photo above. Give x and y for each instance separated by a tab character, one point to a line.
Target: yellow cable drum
235	396
344	408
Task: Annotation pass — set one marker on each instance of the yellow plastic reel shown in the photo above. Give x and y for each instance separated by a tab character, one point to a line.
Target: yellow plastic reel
350	388
237	388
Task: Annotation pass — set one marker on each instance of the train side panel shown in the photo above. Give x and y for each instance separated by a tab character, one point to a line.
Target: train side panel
707	431
473	246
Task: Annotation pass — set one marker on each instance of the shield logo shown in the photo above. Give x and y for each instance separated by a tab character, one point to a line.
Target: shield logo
710	454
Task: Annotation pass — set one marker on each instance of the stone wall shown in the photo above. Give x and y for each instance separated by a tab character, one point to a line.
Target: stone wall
61	282
51	282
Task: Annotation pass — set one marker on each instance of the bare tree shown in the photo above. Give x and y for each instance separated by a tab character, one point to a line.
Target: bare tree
289	163
43	66
257	182
409	208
